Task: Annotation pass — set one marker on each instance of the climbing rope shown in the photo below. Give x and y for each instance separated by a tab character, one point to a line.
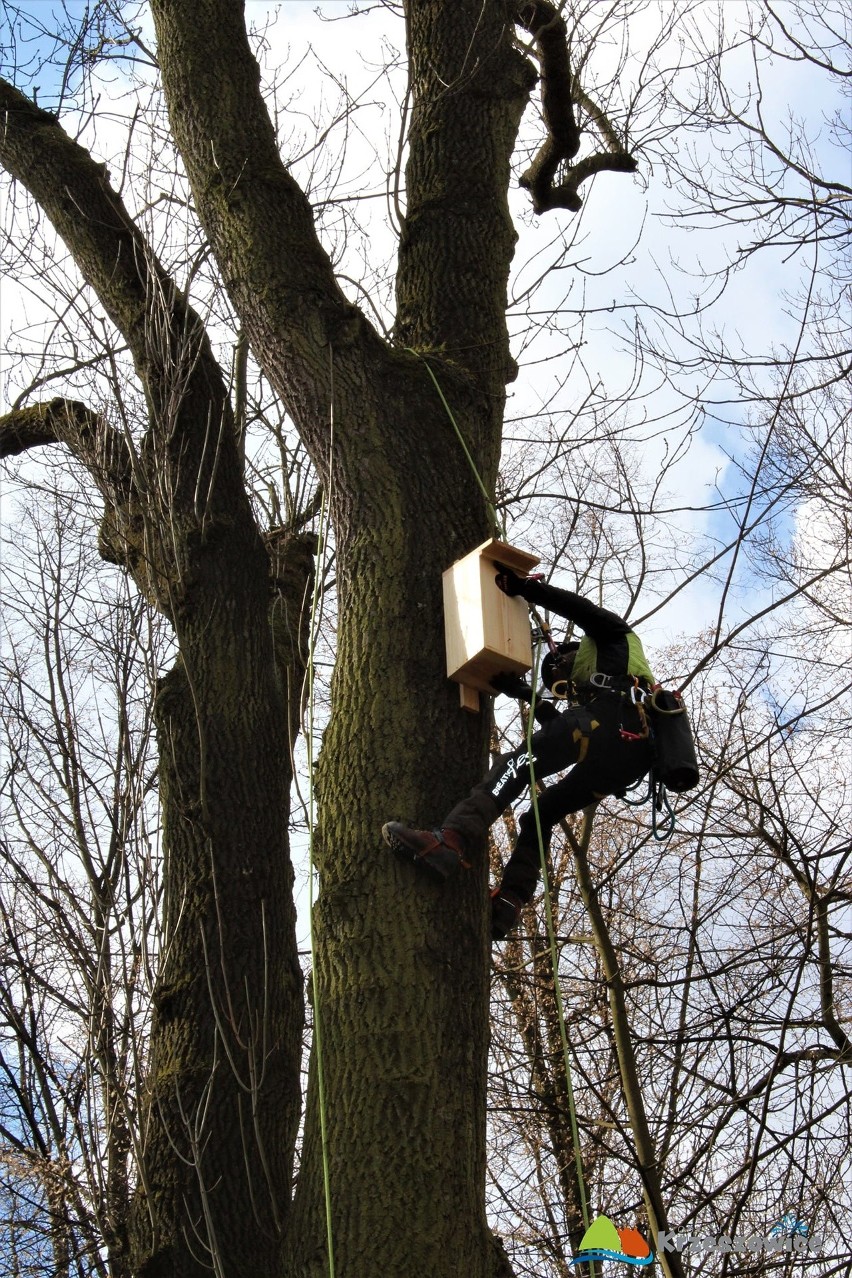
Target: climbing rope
656	793
496	522
499	526
660	802
554	958
313	634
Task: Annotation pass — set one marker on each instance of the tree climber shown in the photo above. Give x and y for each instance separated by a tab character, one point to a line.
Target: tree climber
602	731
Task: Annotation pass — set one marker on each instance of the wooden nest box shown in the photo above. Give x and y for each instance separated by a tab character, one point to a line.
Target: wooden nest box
487	632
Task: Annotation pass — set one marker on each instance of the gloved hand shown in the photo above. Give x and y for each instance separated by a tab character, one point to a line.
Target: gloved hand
512	685
543	712
509	582
505	911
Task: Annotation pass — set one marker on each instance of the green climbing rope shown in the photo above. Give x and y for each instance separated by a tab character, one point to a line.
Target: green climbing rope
496	522
313	633
554	961
499	526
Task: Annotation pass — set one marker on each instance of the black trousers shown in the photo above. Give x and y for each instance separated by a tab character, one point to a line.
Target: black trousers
604	762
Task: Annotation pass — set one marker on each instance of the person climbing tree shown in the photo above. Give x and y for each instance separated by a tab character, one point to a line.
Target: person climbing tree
602	730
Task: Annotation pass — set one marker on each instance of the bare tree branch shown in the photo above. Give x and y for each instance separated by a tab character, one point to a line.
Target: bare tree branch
560	89
189	412
84	432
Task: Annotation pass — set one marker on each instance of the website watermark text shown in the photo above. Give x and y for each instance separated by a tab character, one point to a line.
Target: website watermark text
721	1244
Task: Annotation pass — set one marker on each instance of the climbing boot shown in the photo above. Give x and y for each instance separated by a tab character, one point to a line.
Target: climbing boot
441	853
505	911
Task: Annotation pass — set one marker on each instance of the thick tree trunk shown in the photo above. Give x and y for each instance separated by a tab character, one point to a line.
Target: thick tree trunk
221	1110
403	965
224	1085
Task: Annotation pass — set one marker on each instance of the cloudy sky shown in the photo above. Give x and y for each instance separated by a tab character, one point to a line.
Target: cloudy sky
581	284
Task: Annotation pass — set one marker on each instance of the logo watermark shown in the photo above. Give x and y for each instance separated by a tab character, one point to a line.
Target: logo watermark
602	1241
790	1235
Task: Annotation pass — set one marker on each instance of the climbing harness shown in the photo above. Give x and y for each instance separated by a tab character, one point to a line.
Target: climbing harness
660	716
627	687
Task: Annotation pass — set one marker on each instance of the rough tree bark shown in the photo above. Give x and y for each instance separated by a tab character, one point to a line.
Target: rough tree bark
222	1107
403	966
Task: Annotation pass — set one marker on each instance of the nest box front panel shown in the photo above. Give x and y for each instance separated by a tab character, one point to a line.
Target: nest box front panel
487	632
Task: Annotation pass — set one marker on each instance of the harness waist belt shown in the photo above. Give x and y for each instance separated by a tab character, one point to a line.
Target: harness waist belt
599	682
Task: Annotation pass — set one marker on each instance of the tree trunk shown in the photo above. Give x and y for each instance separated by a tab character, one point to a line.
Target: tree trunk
403	965
221	1111
224	1086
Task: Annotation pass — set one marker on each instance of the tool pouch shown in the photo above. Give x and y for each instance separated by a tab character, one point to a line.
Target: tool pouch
675	762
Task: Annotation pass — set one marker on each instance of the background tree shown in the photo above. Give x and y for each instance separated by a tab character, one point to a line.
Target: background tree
80	872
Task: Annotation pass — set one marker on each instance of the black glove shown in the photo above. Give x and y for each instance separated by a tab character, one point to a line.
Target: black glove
509	582
505	911
543	712
512	685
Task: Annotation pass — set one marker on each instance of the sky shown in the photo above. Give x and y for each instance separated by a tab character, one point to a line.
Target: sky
620	222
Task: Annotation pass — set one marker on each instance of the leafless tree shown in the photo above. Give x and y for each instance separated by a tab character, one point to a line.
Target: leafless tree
226	293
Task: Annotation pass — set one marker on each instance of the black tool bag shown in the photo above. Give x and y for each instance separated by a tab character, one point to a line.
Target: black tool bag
675	762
